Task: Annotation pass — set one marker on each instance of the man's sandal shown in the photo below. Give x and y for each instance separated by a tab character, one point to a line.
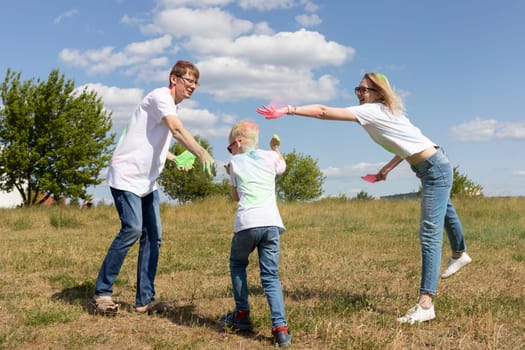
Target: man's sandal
153	306
104	305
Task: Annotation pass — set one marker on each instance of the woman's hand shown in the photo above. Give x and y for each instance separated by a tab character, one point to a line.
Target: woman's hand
271	112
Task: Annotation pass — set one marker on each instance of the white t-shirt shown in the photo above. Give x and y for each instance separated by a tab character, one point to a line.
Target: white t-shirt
395	133
253	175
142	149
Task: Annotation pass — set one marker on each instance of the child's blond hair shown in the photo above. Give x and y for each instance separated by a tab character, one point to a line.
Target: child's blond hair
248	132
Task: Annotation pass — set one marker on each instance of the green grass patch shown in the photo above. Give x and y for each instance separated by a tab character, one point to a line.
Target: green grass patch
348	268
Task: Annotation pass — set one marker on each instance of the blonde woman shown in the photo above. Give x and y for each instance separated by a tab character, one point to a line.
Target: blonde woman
381	114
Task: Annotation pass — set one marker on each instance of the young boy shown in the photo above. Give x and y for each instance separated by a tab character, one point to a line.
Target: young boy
258	224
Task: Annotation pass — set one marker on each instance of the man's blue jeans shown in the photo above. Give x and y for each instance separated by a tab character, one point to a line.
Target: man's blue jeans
437	211
266	240
139	218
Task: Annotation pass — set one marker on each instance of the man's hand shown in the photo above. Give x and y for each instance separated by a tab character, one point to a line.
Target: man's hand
208	164
185	160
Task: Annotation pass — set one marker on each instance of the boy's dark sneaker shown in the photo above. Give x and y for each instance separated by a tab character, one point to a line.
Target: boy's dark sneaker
282	337
238	319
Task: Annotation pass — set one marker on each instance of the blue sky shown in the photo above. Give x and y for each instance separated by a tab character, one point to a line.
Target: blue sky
458	65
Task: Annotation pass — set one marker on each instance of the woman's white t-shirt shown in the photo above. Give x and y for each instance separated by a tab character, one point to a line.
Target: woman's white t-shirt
253	175
395	133
141	152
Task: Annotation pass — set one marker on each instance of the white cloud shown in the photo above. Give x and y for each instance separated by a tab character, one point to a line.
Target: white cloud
208	22
193	3
294	49
67	14
238	59
263	28
131	20
234	79
149	47
256	66
488	129
300	48
106	59
266	5
308	20
309	6
94	61
121	102
508	130
519	173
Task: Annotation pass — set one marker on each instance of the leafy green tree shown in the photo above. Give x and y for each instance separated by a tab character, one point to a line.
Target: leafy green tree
54	138
302	180
464	187
186	186
363	195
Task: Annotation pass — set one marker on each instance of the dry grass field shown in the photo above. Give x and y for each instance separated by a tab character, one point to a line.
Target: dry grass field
348	269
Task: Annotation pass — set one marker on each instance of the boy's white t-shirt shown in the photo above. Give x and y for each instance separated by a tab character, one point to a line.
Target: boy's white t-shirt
141	152
253	175
395	133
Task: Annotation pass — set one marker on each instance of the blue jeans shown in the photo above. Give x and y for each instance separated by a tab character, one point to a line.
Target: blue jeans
139	217
266	240
437	212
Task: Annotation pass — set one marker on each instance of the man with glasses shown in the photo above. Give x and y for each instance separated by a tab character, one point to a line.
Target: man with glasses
137	161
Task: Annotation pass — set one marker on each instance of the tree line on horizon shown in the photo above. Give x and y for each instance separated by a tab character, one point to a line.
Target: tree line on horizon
55	141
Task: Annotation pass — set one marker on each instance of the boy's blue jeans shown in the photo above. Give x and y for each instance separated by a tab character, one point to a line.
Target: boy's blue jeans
139	218
266	240
437	211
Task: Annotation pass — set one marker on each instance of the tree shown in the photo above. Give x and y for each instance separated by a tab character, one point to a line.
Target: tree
363	195
302	180
186	186
54	138
464	187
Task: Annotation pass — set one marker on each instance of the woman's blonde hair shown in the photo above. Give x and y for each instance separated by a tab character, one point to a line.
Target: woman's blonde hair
248	132
388	96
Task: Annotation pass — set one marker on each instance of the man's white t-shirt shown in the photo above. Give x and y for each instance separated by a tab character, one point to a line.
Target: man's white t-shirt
395	133
253	175
142	149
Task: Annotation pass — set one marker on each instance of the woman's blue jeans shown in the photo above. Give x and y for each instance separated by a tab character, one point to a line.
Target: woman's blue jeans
437	211
139	218
266	240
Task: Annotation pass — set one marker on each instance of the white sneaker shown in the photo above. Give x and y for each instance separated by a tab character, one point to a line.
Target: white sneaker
454	265
418	314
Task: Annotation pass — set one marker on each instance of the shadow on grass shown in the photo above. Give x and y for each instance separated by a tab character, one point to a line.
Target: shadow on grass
255	336
337	301
83	294
185	315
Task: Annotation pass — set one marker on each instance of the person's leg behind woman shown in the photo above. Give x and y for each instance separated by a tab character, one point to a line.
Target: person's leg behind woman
149	250
456	239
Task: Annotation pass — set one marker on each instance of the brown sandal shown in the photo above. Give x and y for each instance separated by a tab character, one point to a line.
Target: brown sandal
151	307
104	305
